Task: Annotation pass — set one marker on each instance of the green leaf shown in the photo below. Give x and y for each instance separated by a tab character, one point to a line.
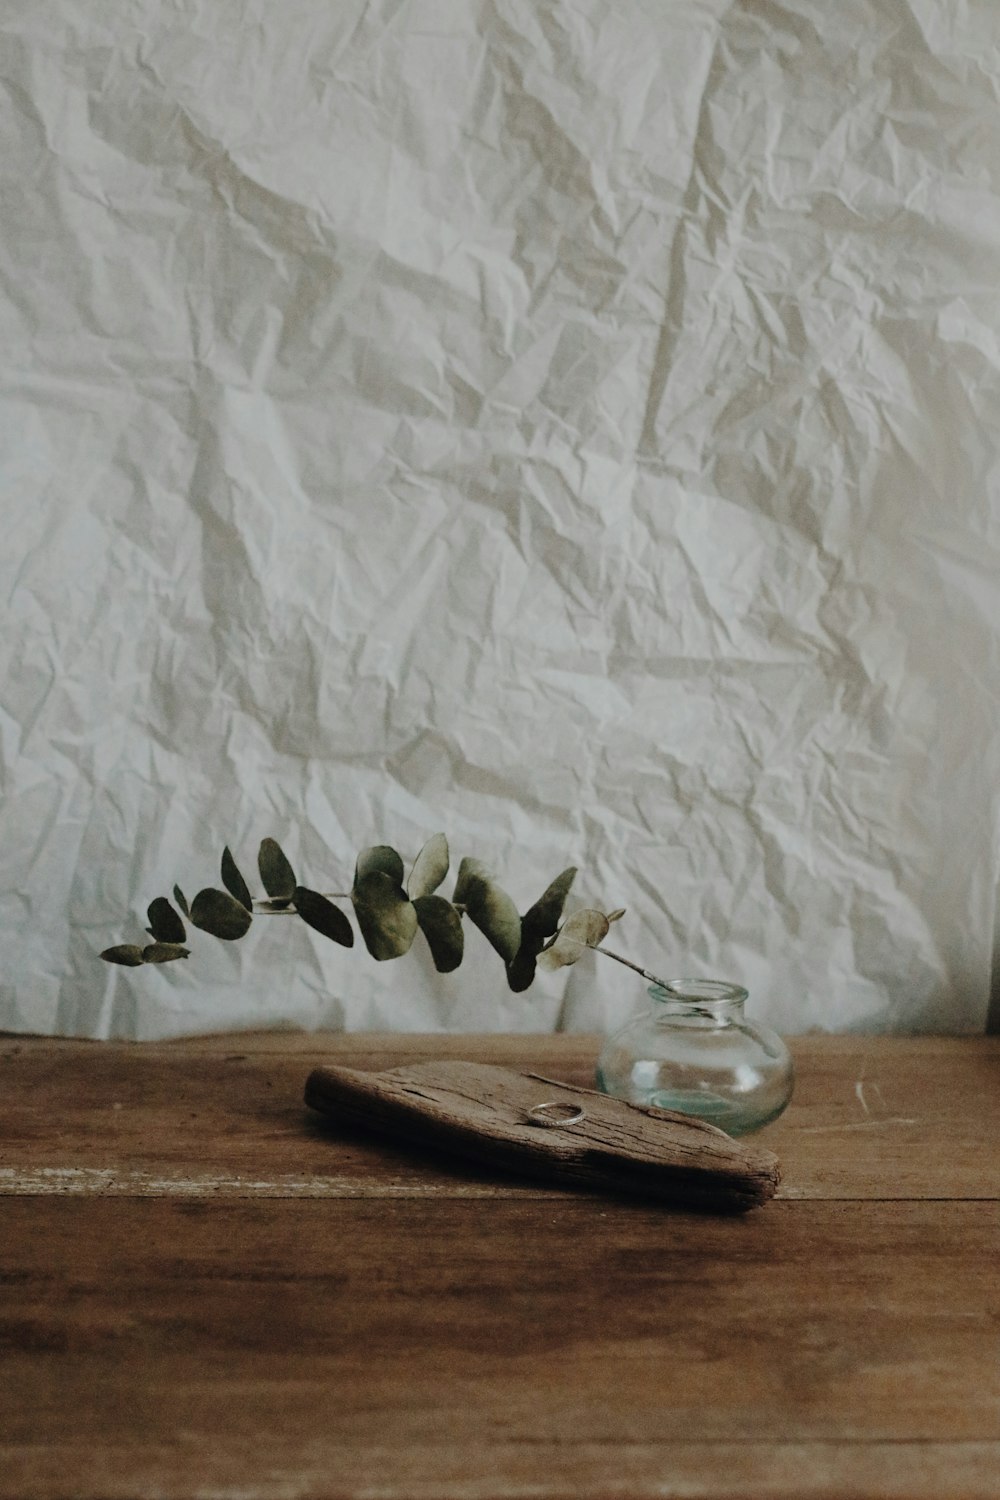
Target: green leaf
181	900
441	925
584	929
164	923
543	918
489	907
129	954
429	868
469	871
521	969
164	953
380	857
323	916
537	926
220	914
234	882
276	873
386	916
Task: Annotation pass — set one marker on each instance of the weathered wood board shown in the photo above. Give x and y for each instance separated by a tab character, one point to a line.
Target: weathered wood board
483	1113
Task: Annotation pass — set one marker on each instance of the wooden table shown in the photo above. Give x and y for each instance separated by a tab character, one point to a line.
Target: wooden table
208	1292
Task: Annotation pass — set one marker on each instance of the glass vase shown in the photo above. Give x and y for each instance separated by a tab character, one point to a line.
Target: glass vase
694	1050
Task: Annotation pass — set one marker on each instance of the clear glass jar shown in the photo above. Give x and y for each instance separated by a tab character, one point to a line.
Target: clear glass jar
693	1050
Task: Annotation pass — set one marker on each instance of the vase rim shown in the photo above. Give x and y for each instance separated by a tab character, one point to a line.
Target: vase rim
699	991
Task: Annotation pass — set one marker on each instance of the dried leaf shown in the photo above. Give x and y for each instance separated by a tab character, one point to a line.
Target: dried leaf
164	953
386	915
380	857
429	868
616	916
587	926
129	954
220	914
164	923
441	925
489	907
583	930
276	873
322	915
181	900
234	882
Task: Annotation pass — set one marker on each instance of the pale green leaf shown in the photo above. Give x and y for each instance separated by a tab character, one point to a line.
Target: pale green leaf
489	907
498	919
429	868
386	915
380	857
441	925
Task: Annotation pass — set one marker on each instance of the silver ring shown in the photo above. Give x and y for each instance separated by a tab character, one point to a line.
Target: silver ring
556	1112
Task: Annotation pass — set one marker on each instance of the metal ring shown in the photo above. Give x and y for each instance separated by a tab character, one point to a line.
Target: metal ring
556	1112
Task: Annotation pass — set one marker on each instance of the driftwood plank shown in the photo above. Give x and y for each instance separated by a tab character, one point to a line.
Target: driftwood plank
483	1113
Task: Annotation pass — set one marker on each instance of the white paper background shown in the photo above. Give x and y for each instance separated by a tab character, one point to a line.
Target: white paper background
571	426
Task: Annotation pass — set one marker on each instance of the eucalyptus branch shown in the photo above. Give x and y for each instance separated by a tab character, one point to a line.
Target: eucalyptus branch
389	909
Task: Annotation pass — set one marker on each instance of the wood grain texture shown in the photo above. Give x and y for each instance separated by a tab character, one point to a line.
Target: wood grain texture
206	1291
482	1113
872	1117
242	1468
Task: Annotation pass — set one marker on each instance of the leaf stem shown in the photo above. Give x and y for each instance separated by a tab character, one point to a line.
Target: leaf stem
630	965
263	907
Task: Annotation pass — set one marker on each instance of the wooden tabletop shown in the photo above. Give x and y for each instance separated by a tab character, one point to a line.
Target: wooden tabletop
209	1292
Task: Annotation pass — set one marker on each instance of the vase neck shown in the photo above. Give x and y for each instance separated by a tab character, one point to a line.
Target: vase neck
711	1001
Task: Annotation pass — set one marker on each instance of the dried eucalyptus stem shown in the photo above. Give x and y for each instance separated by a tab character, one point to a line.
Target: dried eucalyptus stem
630	965
389	908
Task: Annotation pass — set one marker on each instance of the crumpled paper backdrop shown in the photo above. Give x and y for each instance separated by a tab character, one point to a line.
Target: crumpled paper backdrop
572	427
